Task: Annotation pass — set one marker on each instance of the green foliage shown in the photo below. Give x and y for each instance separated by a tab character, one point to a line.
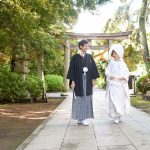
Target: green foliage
33	67
90	4
54	83
101	66
37	24
143	83
32	24
132	57
141	103
101	82
12	86
124	20
34	85
54	65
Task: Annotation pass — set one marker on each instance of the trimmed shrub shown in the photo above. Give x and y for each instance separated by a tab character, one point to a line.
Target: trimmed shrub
34	85
54	83
12	86
143	83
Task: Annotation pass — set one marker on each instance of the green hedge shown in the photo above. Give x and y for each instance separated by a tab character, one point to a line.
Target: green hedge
12	87
54	83
143	83
34	85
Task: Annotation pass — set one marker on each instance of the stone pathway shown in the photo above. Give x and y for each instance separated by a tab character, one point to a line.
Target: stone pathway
59	132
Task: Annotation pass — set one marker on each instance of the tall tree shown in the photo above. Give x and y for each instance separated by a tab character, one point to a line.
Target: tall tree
144	45
20	20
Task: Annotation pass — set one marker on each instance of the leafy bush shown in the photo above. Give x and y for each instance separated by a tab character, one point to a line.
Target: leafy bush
143	83
101	65
34	85
12	86
54	63
101	82
54	83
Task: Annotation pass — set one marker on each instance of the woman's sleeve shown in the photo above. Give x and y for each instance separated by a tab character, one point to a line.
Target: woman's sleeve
108	72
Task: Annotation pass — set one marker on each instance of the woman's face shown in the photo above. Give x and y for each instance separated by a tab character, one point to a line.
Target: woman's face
114	55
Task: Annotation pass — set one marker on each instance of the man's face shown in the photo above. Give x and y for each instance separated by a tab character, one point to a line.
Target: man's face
84	48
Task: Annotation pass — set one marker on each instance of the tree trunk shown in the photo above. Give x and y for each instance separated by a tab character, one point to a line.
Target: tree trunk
41	75
144	45
66	65
110	43
13	60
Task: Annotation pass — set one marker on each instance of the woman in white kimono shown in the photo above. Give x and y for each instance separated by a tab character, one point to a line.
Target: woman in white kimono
117	92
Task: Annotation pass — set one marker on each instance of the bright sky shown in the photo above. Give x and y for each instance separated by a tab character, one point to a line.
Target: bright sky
88	23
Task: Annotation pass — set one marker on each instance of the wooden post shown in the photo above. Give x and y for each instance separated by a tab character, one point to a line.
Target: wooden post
109	46
90	44
66	65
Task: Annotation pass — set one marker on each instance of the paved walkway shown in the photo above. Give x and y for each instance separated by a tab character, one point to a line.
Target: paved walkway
59	132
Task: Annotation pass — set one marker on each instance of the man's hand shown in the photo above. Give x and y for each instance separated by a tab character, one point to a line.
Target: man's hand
93	82
112	78
72	85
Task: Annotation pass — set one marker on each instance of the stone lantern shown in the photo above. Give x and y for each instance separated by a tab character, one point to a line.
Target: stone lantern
21	66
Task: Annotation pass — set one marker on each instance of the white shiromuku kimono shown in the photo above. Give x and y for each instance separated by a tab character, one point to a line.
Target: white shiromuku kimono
117	92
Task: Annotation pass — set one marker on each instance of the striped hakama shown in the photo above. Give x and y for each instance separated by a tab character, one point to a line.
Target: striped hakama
82	107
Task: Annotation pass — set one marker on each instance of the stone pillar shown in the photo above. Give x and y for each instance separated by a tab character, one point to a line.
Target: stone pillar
66	65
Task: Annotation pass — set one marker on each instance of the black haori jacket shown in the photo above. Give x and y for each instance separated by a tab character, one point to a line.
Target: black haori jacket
75	73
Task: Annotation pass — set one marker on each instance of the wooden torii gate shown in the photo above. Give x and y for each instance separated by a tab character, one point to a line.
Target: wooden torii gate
89	36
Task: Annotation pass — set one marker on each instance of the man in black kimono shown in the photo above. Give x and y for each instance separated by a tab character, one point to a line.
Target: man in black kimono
82	73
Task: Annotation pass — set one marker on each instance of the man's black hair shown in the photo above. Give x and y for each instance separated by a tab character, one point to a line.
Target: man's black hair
82	43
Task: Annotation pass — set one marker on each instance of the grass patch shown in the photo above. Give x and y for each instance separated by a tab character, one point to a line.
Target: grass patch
140	103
